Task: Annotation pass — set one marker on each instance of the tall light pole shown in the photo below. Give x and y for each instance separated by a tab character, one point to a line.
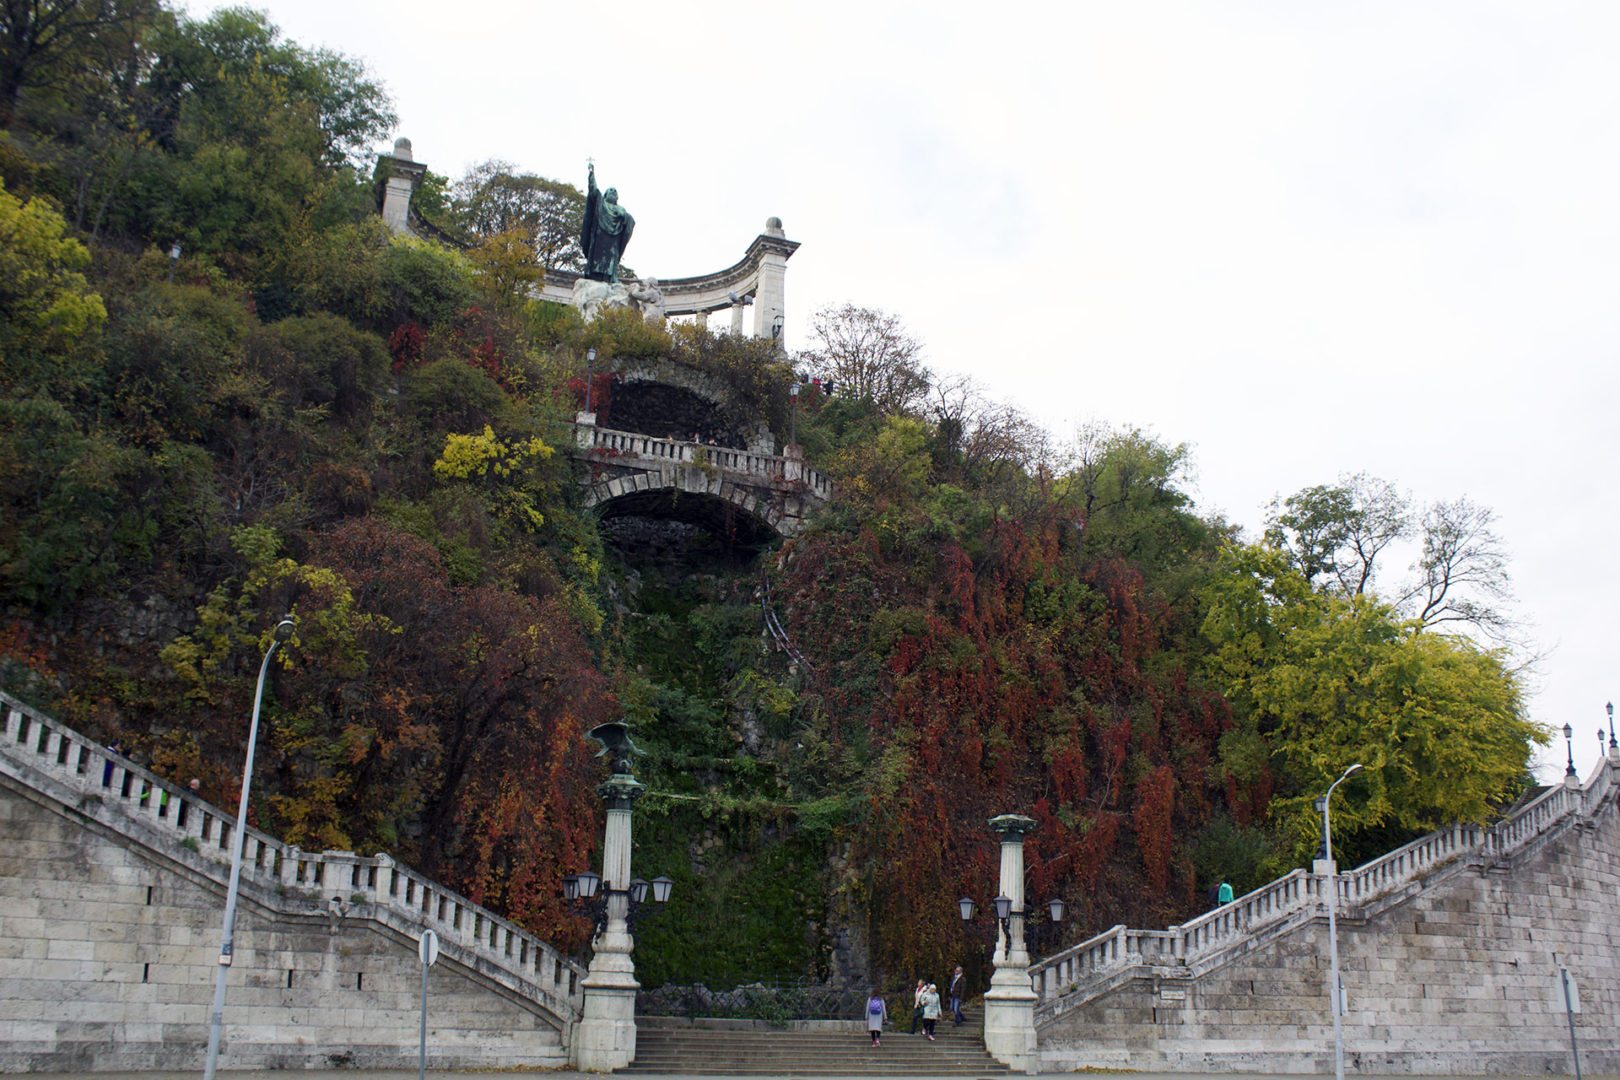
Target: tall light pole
283	631
1335	986
1569	745
590	366
1613	746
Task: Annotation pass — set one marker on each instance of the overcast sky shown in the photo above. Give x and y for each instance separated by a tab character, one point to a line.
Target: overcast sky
1305	239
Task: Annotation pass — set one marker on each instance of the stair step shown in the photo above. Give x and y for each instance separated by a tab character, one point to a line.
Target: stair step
687	1050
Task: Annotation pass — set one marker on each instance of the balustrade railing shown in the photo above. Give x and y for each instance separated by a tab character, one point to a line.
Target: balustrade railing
772	467
1302	893
337	882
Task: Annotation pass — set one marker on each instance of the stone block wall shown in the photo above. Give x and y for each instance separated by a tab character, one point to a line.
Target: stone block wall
108	955
1452	976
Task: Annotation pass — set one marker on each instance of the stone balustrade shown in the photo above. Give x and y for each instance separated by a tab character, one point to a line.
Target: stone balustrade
773	468
1081	972
149	810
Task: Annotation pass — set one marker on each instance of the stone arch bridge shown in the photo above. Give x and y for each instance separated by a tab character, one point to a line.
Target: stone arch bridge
747	495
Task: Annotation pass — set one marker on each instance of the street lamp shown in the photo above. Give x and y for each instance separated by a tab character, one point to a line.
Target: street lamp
793	415
174	257
585	895
1002	905
1569	745
1613	746
1335	986
590	365
227	948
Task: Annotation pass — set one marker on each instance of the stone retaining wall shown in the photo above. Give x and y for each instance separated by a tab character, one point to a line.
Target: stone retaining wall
111	902
1451	974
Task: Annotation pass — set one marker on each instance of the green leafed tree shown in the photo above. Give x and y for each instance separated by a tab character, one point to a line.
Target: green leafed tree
1320	681
47	308
495	198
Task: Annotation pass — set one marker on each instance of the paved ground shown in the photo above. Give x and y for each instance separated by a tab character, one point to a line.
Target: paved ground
396	1074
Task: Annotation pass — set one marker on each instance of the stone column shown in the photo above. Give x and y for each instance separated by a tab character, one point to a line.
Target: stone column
605	1036
737	312
1009	1005
403	177
770	299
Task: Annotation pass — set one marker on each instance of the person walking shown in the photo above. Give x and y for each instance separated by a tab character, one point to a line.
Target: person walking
1223	895
930	1009
958	986
916	1004
876	1014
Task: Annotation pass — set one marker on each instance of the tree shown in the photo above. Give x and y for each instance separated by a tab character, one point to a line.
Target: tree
493	198
1318	681
48	43
215	72
868	354
1462	574
1338	530
47	308
986	444
1124	489
506	268
1335	533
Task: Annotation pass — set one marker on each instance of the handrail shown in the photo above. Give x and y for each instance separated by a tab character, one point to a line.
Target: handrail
391	893
1299	894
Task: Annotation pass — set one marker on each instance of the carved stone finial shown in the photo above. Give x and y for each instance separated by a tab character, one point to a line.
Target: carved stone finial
402	149
773	227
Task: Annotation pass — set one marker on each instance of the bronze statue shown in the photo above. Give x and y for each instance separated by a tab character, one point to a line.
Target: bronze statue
605	231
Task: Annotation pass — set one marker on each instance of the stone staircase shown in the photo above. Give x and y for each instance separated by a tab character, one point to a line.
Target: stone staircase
148	811
667	1046
1084	972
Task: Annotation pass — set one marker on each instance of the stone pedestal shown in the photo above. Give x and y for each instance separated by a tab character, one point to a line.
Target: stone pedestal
1009	1004
605	1037
590	297
584	436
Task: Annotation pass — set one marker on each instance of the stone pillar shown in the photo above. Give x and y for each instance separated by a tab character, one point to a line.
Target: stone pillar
737	311
770	301
1009	1005
402	178
700	319
605	1037
584	429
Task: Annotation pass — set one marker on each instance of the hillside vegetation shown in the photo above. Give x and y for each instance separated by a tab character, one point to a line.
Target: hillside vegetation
228	394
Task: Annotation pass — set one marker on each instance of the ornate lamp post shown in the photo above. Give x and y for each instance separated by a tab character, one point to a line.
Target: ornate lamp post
1614	747
1330	868
605	1037
1571	777
590	369
1009	1005
227	948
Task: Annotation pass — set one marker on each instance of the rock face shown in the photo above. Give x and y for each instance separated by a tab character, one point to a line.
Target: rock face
1450	973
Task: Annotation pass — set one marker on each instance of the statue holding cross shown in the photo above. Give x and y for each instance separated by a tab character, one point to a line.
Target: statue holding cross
605	230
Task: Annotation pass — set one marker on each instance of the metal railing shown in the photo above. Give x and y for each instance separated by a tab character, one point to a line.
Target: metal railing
150	810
